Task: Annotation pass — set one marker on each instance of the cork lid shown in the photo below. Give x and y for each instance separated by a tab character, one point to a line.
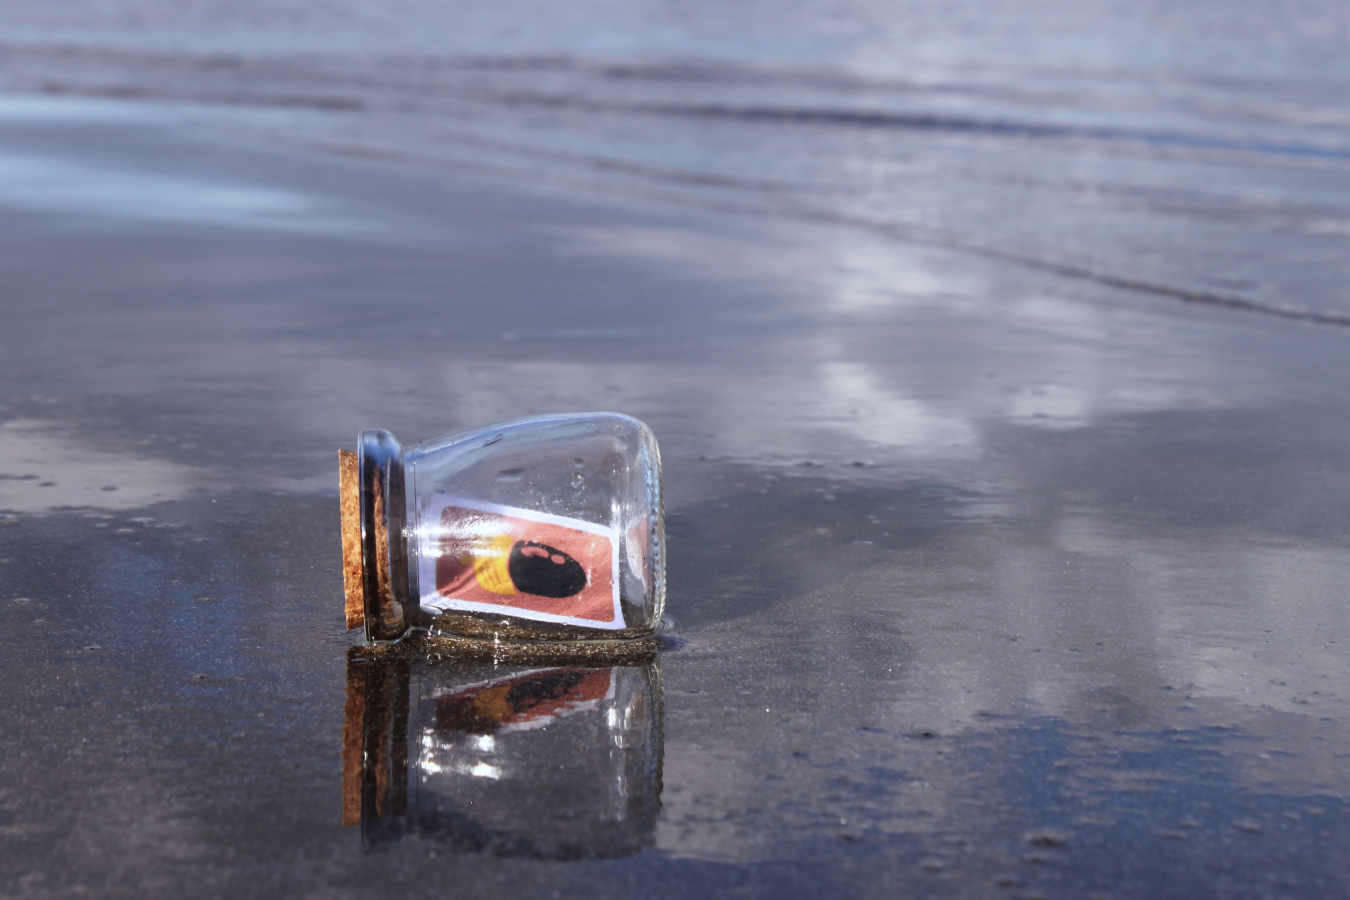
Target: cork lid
353	574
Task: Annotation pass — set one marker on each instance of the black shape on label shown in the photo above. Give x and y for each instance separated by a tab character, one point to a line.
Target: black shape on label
545	571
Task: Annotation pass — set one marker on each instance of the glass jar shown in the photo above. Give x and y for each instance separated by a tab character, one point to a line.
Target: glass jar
542	530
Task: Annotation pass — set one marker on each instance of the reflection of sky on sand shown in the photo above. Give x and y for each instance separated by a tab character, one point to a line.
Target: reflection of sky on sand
43	467
1121	140
1088	606
958	551
73	188
1220	648
882	390
1127	642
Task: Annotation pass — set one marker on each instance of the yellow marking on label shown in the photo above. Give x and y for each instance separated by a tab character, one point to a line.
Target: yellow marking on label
490	561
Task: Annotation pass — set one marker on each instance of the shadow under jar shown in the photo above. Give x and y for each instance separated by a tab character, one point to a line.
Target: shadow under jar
539	534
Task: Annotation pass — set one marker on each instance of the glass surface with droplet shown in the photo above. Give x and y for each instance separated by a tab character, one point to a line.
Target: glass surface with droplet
546	529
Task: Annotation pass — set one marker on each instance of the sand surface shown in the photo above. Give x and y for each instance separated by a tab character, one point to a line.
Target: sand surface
1006	441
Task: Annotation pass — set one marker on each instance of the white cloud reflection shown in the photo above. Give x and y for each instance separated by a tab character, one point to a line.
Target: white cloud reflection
75	187
46	466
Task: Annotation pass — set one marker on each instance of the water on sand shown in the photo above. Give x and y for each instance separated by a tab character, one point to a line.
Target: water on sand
995	357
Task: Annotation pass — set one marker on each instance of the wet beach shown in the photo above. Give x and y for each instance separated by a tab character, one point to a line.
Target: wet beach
997	359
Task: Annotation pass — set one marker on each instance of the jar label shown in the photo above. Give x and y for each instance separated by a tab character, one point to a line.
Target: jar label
483	557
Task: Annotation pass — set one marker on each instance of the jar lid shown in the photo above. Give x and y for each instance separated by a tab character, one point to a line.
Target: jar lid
353	572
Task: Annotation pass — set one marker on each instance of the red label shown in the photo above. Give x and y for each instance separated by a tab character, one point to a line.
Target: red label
534	565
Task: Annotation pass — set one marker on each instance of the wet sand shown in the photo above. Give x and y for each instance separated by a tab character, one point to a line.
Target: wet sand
985	581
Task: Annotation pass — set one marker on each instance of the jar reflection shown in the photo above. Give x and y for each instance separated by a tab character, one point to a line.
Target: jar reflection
557	762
